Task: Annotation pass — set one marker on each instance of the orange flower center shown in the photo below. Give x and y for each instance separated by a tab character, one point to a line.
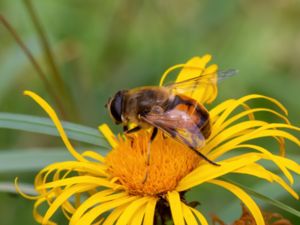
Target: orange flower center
169	162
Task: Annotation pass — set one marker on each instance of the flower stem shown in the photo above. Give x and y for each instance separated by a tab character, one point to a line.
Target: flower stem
52	65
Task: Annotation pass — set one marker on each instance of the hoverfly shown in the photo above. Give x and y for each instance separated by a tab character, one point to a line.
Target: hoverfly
168	109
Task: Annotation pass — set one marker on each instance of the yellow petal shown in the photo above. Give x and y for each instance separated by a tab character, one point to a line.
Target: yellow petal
24	195
290	164
196	64
108	134
47	108
283	184
176	209
255	169
273	100
230	105
270	130
200	217
188	215
204	93
244	197
234	131
234	104
138	216
220	114
264	130
93	155
150	210
278	160
193	68
259	171
37	216
220	108
246	113
131	209
66	213
78	180
168	71
207	172
87	167
115	214
103	196
64	196
96	169
94	213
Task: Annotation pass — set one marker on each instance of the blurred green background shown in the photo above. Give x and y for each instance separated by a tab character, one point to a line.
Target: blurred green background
104	46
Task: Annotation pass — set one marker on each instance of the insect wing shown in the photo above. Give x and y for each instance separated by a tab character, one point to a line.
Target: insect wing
203	79
193	138
179	125
202	88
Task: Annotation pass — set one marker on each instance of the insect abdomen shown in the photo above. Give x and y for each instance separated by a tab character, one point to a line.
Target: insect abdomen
197	111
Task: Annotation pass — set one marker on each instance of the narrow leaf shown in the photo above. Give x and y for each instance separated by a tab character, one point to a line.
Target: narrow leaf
9	187
45	126
20	161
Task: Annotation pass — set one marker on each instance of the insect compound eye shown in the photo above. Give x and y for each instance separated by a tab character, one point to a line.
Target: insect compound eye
116	106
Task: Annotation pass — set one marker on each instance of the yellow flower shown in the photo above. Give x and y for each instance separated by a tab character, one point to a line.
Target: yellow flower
94	189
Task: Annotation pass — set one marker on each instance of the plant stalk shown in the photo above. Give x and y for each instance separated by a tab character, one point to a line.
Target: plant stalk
35	64
52	65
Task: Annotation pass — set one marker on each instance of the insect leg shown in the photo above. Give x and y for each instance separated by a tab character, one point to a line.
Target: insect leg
204	157
153	135
126	131
174	134
125	128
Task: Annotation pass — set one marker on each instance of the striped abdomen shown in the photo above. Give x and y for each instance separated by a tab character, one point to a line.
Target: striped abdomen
198	112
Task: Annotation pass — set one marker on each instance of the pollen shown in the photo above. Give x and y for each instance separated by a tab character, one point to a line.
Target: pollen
169	162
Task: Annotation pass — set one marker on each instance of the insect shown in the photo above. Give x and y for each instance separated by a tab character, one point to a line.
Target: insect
168	109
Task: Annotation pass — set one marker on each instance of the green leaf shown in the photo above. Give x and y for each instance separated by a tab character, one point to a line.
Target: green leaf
16	161
266	199
45	126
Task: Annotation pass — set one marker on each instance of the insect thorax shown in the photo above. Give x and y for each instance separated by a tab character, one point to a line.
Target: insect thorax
142	100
